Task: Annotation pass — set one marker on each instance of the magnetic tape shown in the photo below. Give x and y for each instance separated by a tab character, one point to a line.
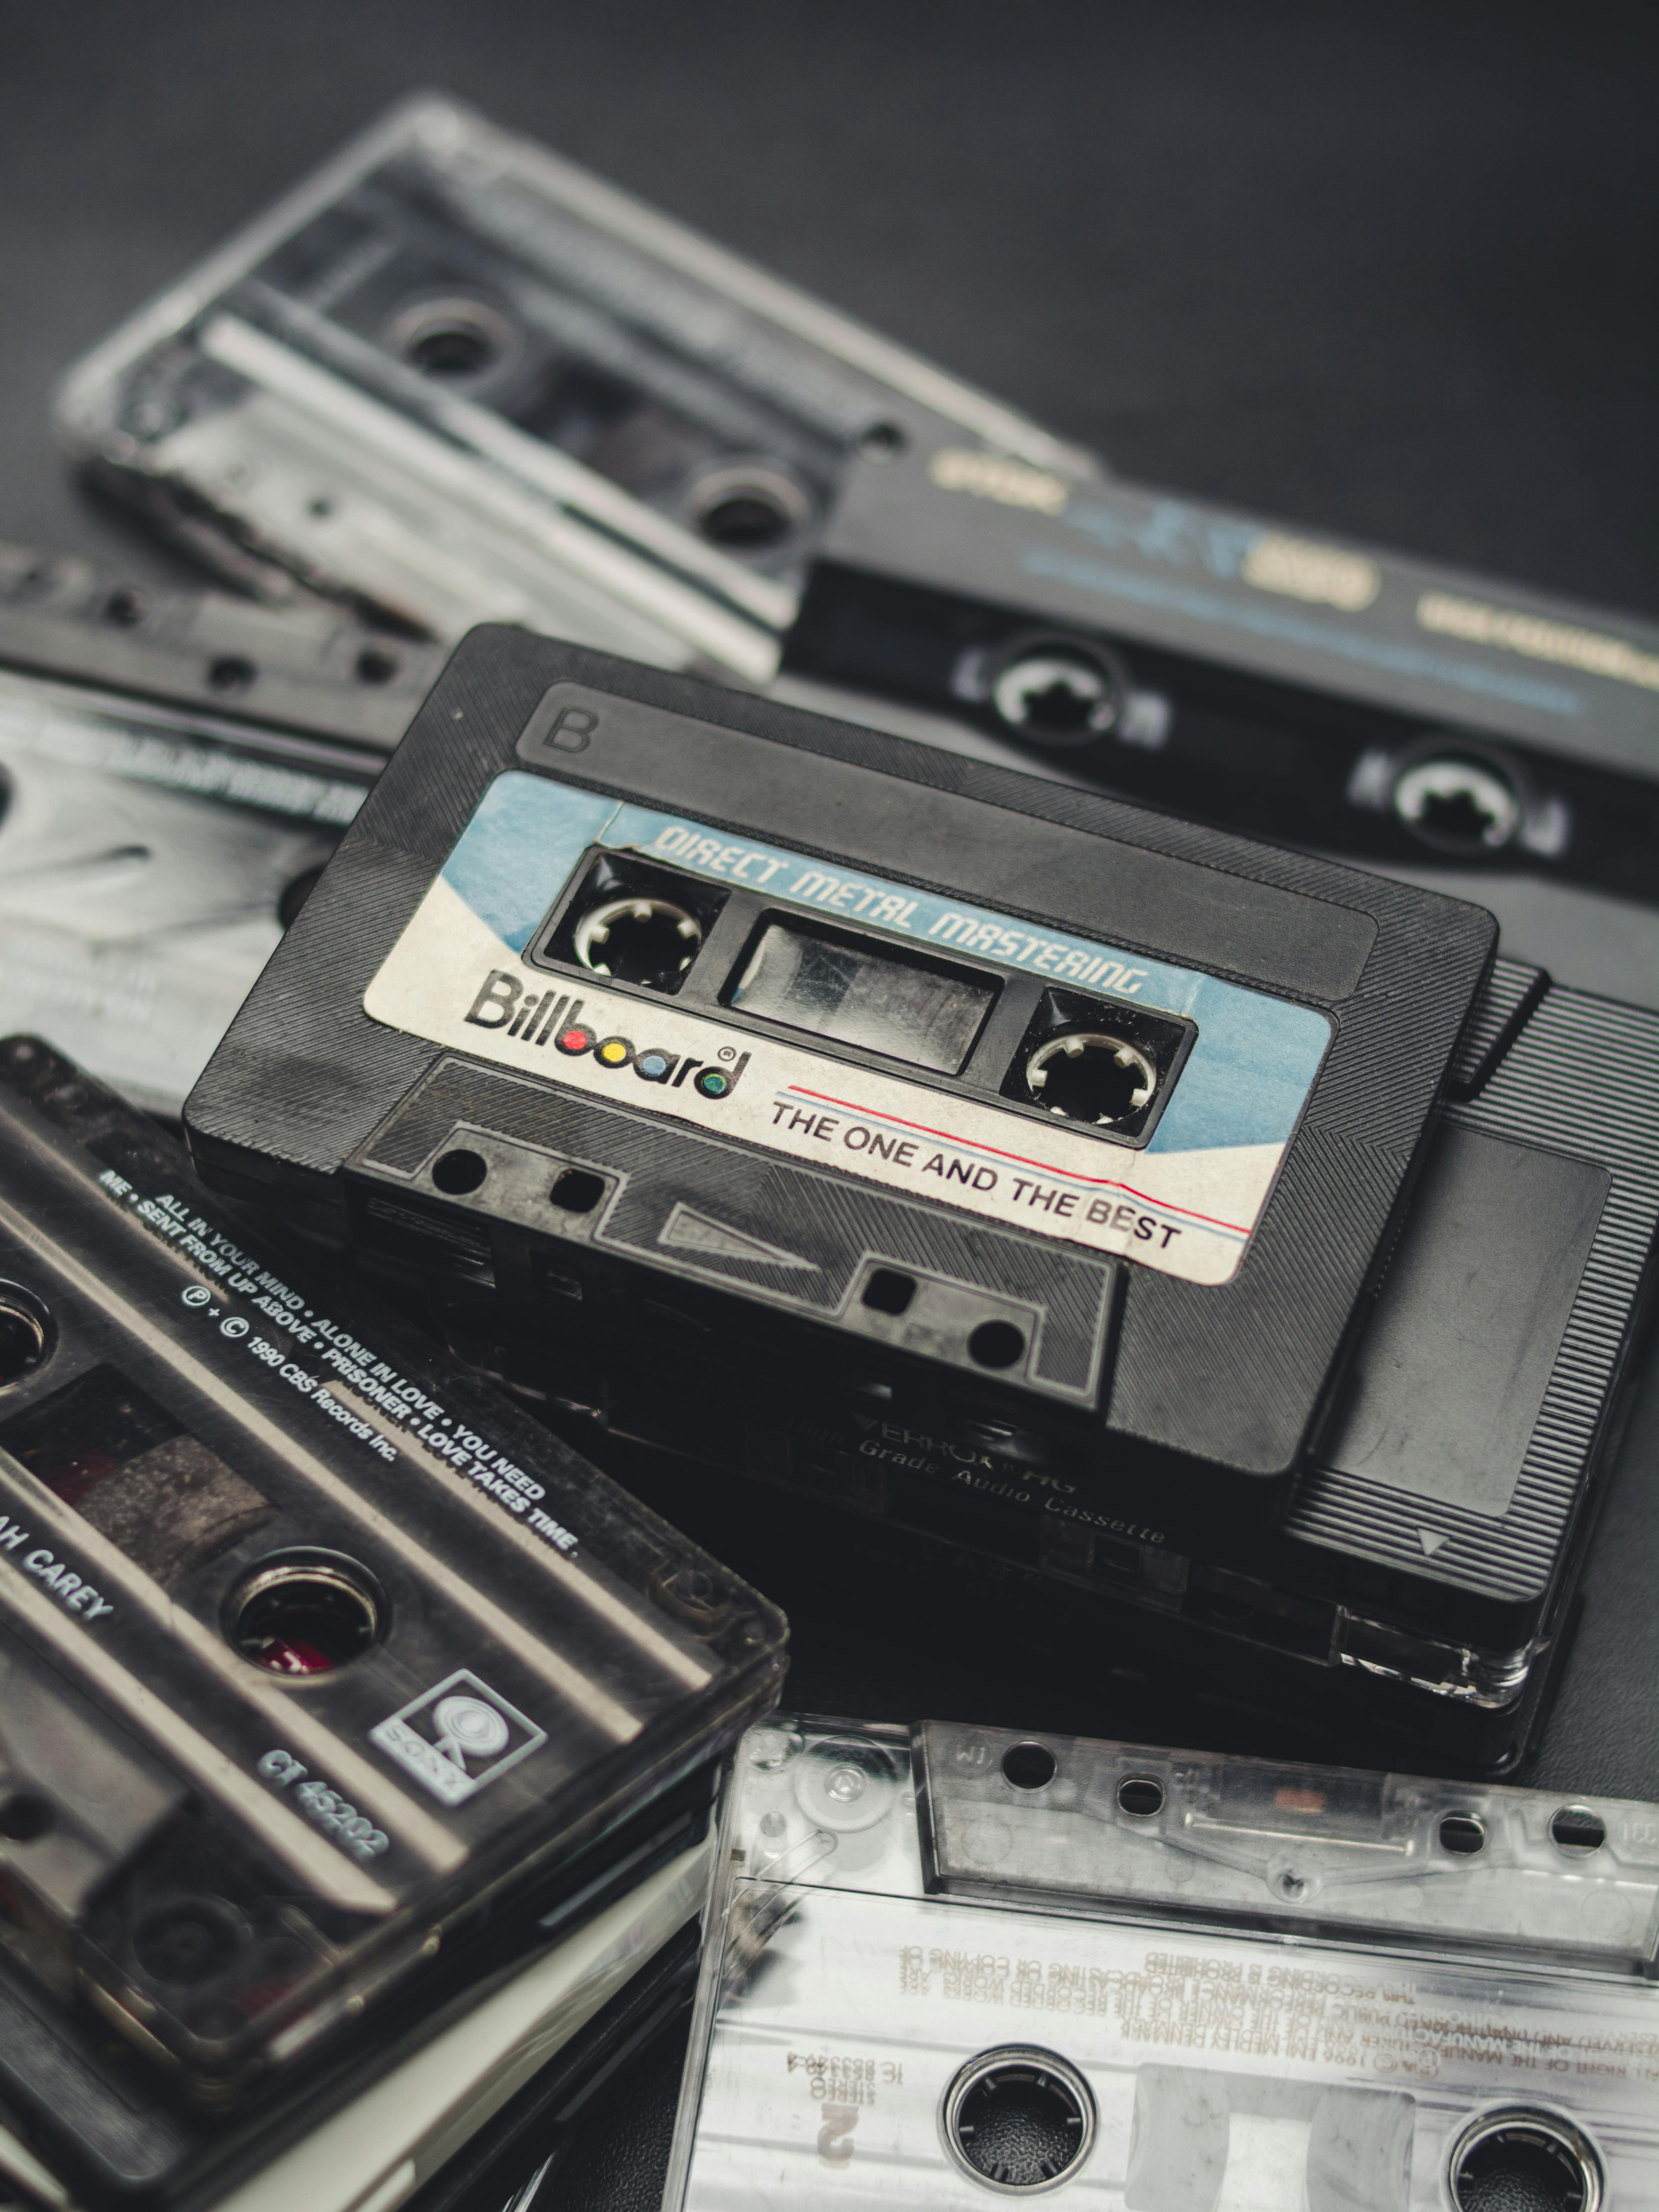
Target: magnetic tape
948	1962
1021	1166
334	1687
455	377
175	769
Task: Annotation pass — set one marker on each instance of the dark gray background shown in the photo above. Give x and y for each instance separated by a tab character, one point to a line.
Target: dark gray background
1387	270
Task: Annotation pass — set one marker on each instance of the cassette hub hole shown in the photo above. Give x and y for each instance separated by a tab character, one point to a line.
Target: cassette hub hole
305	1616
1575	1828
1462	1833
1090	1077
649	941
452	341
749	522
1458	805
25	1333
24	1817
1524	2162
996	1344
458	1172
1058	696
190	1939
1029	1766
1139	1795
1019	2119
888	1291
749	510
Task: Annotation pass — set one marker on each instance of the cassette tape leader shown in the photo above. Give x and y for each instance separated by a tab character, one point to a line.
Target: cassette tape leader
949	1965
1009	1163
333	1687
460	379
175	767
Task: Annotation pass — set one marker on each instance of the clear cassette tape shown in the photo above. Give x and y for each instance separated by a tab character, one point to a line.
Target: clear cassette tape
452	378
951	1963
175	769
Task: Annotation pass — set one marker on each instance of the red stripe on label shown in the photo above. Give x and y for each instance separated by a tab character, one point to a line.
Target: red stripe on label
1019	1160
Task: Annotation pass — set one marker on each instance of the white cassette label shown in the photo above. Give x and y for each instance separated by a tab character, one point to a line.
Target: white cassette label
1185	1205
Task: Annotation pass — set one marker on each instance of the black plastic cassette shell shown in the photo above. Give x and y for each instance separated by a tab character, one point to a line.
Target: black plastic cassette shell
1518	1105
305	1078
1443	1559
1556	1377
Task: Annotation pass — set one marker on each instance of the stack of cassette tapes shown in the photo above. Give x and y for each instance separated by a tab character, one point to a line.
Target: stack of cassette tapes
1176	1216
338	1697
948	1961
938	1145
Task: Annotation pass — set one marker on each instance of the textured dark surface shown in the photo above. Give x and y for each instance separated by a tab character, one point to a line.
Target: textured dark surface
1381	269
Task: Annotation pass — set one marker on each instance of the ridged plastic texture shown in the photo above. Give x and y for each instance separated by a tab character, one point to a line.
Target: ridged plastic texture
1581	1078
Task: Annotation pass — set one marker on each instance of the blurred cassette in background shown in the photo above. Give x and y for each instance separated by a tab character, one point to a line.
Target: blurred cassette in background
174	770
455	378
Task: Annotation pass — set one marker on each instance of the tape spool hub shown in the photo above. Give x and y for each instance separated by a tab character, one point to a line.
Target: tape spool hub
638	940
1088	1076
1018	2120
1524	2161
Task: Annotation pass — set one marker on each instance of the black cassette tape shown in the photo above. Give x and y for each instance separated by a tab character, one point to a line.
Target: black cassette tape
1432	1540
461	378
332	1684
175	769
951	1964
668	1017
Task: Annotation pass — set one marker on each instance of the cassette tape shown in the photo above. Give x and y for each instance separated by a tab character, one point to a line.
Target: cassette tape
455	377
333	1685
951	1965
174	770
779	1312
1432	1537
644	1007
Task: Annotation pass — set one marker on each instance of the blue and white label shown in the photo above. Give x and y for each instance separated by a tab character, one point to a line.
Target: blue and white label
1186	1204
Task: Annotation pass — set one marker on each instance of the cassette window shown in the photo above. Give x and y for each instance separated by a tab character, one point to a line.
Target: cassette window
860	993
105	1448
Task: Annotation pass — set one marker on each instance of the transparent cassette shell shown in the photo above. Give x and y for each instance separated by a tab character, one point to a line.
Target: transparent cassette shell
461	379
319	1666
149	860
1192	1980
